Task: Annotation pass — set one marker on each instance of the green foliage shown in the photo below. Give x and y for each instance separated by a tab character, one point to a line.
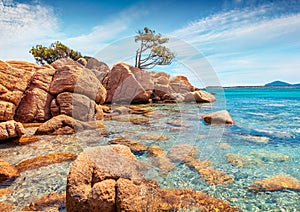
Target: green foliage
151	51
55	51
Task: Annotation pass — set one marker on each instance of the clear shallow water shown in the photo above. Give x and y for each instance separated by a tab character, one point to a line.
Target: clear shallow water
267	131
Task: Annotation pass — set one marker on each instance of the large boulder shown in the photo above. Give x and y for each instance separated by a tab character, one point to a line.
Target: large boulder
122	85
75	105
183	81
100	69
63	62
75	78
7	171
219	117
11	129
34	107
62	124
15	77
180	84
35	104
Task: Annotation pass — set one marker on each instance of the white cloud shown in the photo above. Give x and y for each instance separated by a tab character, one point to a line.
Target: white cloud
243	44
25	25
106	33
22	26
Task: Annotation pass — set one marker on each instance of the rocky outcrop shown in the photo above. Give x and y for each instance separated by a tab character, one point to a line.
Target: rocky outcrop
32	93
11	129
276	183
7	171
122	85
219	117
108	178
61	125
14	79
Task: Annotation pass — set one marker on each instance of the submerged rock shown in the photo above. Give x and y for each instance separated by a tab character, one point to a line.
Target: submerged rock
49	202
241	160
190	200
11	129
182	152
6	207
7	171
160	160
154	137
134	145
45	160
187	154
219	117
276	183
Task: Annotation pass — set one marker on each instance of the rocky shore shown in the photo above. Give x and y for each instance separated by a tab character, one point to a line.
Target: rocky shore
47	106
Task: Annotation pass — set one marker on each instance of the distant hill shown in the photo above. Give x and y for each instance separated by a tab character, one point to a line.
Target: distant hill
281	83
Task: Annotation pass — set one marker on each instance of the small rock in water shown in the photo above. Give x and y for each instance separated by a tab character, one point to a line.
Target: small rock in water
219	117
223	146
276	183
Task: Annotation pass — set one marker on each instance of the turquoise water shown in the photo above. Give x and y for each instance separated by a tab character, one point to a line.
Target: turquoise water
266	132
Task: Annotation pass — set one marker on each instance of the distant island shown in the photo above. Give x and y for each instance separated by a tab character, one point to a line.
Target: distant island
280	84
276	83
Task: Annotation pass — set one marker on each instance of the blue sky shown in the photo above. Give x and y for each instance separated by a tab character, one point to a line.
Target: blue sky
244	42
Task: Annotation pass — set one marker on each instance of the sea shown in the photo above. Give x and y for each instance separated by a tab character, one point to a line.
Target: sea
265	136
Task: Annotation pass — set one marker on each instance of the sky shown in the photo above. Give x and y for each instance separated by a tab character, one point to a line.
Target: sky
226	42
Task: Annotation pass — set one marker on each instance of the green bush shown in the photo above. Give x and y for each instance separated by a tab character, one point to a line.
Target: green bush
52	53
